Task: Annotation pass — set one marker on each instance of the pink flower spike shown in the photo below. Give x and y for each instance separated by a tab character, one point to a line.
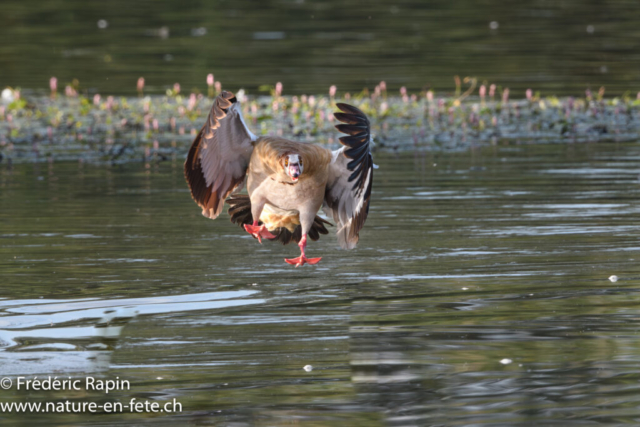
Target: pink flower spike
96	99
638	95
218	87
192	102
529	94
278	89
483	91
332	91
70	91
155	124
53	84
505	95
383	86
176	88
210	79
140	84
403	91
492	90
430	96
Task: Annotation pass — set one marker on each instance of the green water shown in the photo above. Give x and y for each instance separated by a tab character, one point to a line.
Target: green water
467	259
558	47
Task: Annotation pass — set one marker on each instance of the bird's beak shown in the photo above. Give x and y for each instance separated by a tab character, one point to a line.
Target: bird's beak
294	171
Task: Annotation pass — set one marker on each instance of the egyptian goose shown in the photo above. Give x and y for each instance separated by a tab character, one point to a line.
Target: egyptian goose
287	181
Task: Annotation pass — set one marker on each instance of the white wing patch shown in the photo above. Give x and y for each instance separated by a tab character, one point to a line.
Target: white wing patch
236	107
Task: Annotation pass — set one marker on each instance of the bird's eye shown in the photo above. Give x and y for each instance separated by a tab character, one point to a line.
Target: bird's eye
286	162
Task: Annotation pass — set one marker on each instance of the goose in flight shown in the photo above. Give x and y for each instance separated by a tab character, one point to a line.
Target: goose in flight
287	181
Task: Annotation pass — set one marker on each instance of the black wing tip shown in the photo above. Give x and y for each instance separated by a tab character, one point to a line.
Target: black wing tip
228	95
350	109
356	121
358	132
358	151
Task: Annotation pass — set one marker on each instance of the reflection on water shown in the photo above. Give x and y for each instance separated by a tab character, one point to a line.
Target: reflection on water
479	294
35	345
61	336
556	47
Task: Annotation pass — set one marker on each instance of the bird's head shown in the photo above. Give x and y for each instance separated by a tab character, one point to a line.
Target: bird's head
292	164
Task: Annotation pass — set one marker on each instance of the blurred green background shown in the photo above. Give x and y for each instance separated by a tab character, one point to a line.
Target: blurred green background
558	47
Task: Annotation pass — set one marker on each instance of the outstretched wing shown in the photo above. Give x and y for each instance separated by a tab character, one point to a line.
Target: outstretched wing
348	189
219	156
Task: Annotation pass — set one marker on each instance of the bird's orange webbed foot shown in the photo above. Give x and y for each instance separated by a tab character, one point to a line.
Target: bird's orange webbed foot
302	260
258	231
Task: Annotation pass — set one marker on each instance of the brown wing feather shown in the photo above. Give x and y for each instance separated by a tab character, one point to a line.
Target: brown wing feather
217	161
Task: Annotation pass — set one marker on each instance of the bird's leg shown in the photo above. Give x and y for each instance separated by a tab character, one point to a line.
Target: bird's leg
302	259
255	230
307	215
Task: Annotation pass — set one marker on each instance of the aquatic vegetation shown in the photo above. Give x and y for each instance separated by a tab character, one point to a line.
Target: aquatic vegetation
96	128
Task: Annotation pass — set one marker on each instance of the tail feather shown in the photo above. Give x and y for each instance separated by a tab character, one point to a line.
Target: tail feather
240	213
240	209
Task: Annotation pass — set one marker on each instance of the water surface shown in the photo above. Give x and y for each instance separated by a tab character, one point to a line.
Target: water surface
478	295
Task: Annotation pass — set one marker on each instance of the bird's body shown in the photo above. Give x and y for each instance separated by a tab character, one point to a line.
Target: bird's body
288	182
287	201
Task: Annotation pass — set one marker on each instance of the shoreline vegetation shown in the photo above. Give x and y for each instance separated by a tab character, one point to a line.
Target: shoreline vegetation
72	125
